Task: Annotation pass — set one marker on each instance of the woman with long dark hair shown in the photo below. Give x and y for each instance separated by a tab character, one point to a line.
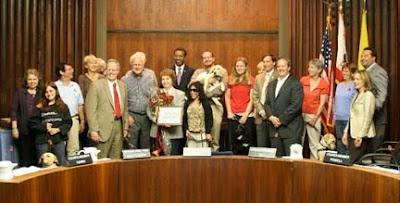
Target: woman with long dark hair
197	117
50	123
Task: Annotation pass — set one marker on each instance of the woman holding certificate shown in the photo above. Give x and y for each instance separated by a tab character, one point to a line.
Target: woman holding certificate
165	138
197	117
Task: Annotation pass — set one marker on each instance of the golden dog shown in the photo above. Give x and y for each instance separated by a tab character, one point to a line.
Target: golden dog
48	159
328	142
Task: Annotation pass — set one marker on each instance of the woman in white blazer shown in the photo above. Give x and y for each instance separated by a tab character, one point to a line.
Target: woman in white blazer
360	128
172	135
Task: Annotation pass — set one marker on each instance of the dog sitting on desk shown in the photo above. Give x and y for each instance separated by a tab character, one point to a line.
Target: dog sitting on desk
327	143
48	160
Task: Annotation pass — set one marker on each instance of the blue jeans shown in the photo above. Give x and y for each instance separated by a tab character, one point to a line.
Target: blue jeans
339	128
57	149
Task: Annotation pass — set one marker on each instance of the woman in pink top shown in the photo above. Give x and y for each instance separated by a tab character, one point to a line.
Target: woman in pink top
239	107
316	91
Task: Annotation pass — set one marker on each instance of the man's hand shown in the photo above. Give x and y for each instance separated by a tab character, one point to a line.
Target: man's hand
95	137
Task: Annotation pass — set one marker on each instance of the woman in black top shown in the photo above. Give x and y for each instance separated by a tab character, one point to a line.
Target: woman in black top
51	122
22	108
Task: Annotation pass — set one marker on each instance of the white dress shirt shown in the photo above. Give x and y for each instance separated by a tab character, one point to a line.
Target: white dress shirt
279	84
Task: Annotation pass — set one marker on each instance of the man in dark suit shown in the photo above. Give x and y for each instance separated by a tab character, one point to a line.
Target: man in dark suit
380	83
107	112
182	71
283	108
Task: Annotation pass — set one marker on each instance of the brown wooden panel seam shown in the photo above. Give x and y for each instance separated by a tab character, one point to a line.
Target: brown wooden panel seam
193	31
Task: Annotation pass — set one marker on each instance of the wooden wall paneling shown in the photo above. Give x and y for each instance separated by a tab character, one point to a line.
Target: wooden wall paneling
18	40
34	34
55	37
85	28
394	72
48	54
41	42
188	15
39	34
76	36
11	49
26	37
63	30
70	34
3	53
92	17
159	48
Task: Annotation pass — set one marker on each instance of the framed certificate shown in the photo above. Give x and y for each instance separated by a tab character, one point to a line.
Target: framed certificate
169	115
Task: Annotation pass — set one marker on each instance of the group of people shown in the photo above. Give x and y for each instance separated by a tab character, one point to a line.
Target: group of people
282	109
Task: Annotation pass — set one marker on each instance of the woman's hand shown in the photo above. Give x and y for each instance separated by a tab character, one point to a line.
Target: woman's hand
344	139
243	119
15	133
313	120
231	116
357	142
209	137
53	131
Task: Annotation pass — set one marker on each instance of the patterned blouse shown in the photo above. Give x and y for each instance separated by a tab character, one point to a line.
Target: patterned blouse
195	117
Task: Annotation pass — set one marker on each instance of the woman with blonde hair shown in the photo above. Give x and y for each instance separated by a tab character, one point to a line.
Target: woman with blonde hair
316	91
360	128
239	106
91	63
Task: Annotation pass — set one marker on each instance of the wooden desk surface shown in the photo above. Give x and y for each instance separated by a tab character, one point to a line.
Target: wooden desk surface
204	179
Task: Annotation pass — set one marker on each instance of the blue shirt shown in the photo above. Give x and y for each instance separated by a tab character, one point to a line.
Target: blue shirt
71	95
343	97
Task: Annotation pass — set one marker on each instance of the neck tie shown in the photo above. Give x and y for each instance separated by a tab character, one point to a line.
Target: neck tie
178	76
116	102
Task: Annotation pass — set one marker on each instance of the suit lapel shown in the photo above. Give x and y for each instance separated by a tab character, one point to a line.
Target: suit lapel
107	91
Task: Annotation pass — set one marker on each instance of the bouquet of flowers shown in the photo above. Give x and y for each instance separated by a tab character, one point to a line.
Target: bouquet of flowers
162	142
159	98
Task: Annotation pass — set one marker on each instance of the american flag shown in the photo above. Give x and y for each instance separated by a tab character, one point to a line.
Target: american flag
326	57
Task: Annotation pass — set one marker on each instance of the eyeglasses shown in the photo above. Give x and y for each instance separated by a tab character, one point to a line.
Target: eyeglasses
193	90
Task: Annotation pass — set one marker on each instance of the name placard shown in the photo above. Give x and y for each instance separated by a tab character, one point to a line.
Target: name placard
79	159
135	153
262	152
335	158
203	151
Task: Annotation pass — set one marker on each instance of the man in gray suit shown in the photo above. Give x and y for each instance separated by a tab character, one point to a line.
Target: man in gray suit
380	83
283	108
